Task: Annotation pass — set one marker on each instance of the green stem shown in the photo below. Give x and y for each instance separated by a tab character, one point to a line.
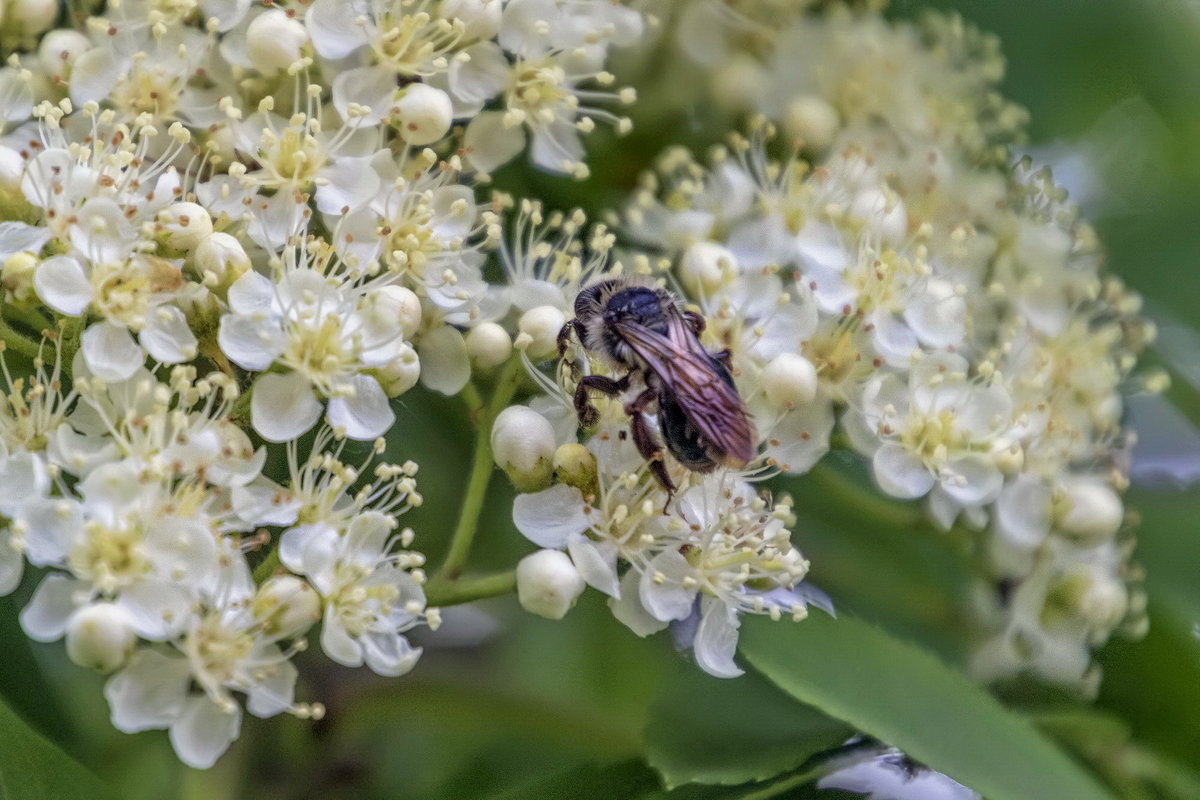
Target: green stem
481	465
16	342
268	566
72	330
240	413
442	592
28	317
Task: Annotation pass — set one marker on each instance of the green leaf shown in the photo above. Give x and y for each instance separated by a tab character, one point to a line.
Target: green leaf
31	768
906	697
707	730
627	780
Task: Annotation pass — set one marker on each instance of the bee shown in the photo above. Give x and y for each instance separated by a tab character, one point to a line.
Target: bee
643	331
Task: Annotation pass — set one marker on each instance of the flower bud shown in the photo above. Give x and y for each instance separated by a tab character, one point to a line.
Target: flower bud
423	114
397	307
488	345
275	41
58	50
548	583
401	373
1089	510
1086	595
539	328
882	213
30	17
576	466
183	226
523	446
222	257
17	277
480	18
706	267
789	380
812	119
286	607
100	636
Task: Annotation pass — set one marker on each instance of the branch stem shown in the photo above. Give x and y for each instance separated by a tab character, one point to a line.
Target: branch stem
481	465
442	592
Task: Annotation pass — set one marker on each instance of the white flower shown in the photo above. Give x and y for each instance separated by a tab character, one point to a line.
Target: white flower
370	599
328	333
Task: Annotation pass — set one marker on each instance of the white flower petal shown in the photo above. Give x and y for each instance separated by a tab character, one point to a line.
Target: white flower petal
661	587
900	473
335	28
366	413
596	563
149	692
716	640
251	341
17	237
167	336
337	642
551	517
276	692
204	730
445	366
389	653
628	608
489	143
110	352
158	609
283	407
49	526
45	618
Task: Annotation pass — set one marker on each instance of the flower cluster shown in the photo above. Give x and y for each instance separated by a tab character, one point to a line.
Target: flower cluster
140	501
953	317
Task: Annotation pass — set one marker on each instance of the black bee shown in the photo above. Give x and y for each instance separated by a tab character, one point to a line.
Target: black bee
642	330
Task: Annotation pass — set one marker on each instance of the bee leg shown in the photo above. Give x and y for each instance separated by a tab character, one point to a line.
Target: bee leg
725	357
695	321
564	341
647	445
587	413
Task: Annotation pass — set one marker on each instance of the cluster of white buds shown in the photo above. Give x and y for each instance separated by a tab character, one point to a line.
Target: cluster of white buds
880	264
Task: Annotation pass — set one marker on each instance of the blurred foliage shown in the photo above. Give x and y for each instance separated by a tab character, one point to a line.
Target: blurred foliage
504	705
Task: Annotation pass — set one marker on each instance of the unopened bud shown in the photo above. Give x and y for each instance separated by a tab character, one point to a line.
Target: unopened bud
401	373
100	636
221	256
539	329
17	276
523	446
423	114
576	466
548	583
184	226
397	307
275	41
30	17
707	267
789	380
1089	510
812	119
58	50
286	606
488	345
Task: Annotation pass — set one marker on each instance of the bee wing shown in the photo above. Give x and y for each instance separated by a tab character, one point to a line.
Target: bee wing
700	389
